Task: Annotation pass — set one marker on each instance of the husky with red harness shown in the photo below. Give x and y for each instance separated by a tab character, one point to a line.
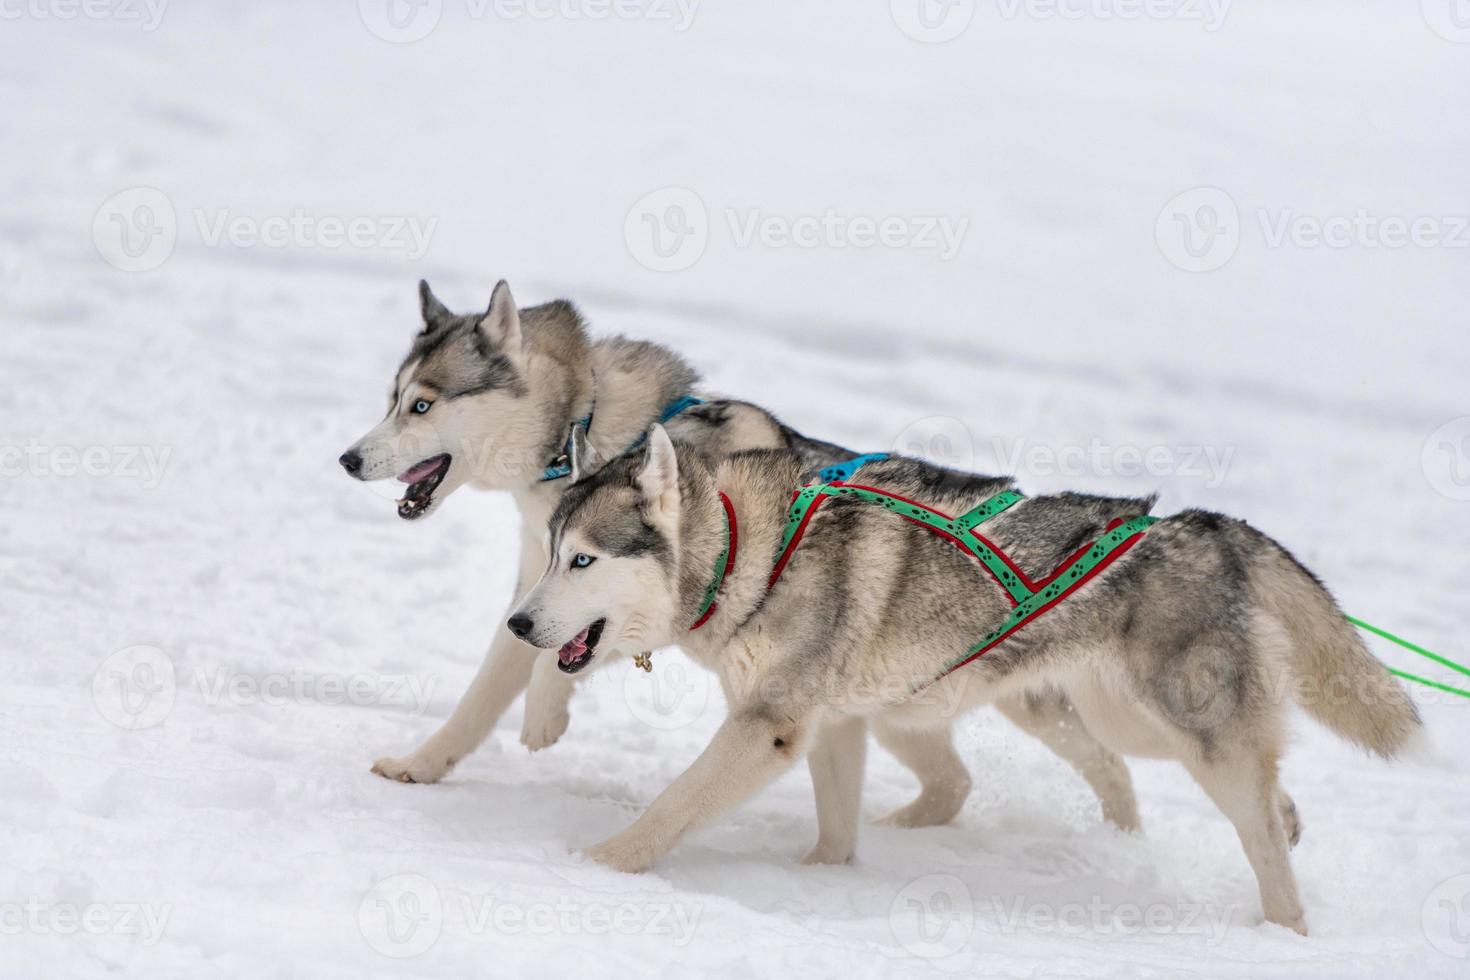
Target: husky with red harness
897	594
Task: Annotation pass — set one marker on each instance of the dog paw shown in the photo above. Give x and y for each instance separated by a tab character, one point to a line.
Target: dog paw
410	770
622	854
923	812
1296	922
541	730
827	854
1123	818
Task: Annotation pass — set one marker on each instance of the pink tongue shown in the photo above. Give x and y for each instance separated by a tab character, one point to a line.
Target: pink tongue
420	471
574	647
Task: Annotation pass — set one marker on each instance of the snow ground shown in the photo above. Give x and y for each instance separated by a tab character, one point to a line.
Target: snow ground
231	827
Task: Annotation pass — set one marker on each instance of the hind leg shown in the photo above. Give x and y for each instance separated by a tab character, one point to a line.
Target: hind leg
836	763
1245	789
1050	718
944	782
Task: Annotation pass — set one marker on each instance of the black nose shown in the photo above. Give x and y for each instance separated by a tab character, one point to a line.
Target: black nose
521	625
351	461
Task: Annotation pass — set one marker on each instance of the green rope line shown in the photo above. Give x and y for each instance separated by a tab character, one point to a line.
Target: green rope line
1415	648
1428	683
1410	646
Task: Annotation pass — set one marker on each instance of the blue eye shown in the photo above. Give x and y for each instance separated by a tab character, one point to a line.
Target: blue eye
582	561
421	406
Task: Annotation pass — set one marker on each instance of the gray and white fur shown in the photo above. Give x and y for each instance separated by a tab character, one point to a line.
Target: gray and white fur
488	399
1188	647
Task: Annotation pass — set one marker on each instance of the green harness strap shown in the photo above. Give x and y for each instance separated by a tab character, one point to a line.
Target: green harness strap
1063	582
1029	598
724	563
954	528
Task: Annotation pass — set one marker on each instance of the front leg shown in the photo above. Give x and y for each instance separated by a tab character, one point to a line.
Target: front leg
547	712
751	748
500	680
836	763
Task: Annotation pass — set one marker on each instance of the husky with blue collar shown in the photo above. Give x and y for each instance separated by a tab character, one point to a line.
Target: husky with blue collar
489	400
493	400
895	595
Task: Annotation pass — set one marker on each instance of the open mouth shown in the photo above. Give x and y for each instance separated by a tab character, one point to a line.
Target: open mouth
423	479
577	652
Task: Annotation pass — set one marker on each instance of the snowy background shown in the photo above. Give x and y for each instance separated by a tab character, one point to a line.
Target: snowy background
1213	249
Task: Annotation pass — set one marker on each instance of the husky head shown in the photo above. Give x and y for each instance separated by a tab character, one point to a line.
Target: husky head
612	582
473	402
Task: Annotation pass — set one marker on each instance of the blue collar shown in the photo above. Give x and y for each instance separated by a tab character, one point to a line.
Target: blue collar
842	472
562	465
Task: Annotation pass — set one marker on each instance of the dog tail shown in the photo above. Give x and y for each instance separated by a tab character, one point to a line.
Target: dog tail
1338	681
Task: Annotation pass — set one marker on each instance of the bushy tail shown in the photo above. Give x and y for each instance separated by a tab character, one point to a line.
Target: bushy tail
1338	680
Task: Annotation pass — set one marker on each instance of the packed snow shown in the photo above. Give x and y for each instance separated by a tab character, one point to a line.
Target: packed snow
1215	250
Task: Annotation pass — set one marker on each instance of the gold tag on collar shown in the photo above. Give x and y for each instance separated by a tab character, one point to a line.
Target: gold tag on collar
644	660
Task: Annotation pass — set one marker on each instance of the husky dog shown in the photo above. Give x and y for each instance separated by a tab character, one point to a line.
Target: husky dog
488	400
871	609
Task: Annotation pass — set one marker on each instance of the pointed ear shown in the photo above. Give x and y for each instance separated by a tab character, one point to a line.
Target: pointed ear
586	460
434	311
501	324
659	477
